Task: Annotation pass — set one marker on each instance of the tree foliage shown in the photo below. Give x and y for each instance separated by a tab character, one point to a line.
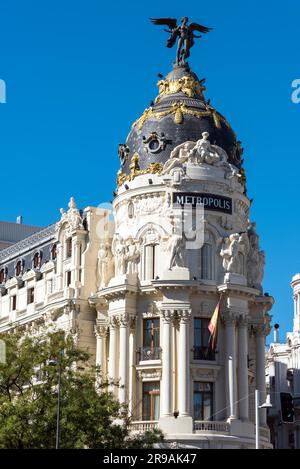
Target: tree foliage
90	416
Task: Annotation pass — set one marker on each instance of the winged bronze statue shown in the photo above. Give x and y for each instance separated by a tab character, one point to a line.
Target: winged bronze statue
185	34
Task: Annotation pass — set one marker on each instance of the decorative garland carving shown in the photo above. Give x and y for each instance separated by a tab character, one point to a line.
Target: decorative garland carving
179	110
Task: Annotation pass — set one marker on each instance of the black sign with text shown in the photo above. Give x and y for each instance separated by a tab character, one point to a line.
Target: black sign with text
213	202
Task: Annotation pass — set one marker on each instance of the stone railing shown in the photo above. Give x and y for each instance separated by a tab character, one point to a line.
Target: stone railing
143	425
149	353
206	426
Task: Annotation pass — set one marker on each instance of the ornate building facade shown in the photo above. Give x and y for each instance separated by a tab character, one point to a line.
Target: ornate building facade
139	291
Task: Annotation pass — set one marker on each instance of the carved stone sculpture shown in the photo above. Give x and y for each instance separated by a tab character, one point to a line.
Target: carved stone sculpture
230	252
119	253
201	152
105	264
255	259
175	247
132	256
72	217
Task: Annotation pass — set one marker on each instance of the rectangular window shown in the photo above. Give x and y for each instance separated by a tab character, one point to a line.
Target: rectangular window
151	348
202	342
150	260
151	400
69	248
30	296
68	278
13	303
207	262
203	401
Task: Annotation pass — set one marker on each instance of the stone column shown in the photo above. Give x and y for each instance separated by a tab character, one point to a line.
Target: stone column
100	332
260	370
243	387
123	354
230	368
166	383
184	364
112	350
132	372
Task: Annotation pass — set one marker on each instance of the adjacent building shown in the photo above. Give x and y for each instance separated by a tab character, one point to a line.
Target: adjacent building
11	233
283	376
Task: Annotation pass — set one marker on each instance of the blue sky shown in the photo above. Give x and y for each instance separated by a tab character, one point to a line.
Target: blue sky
79	72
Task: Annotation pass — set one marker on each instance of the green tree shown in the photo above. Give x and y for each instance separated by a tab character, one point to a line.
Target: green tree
91	417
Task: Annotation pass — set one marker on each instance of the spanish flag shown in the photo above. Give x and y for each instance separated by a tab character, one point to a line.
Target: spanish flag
213	326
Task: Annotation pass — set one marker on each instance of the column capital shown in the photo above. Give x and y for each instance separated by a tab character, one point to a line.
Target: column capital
184	315
243	321
124	320
101	330
229	319
259	330
114	322
168	315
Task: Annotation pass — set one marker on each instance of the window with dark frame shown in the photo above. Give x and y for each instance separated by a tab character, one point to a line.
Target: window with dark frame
2	276
202	343
36	263
30	296
203	401
151	401
68	278
18	269
13	303
151	339
54	252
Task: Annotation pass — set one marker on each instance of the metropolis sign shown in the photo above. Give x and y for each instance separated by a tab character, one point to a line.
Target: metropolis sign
213	202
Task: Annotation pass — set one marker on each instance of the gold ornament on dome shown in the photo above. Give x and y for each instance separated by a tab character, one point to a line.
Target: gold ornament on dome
153	168
187	85
179	110
121	178
134	166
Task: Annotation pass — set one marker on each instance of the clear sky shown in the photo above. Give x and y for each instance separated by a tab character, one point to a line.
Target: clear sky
79	72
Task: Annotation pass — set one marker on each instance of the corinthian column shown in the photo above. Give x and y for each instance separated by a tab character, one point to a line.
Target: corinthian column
230	369
184	364
243	368
260	370
124	328
166	406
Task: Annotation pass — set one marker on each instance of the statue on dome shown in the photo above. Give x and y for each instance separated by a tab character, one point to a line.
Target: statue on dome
184	33
200	152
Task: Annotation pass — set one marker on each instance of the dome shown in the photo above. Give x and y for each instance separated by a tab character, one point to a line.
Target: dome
180	113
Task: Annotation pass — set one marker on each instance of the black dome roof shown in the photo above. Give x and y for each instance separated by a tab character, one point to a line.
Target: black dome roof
180	113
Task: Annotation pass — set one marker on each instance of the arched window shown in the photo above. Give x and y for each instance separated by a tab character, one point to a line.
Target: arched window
54	252
18	268
2	276
36	262
207	266
150	262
